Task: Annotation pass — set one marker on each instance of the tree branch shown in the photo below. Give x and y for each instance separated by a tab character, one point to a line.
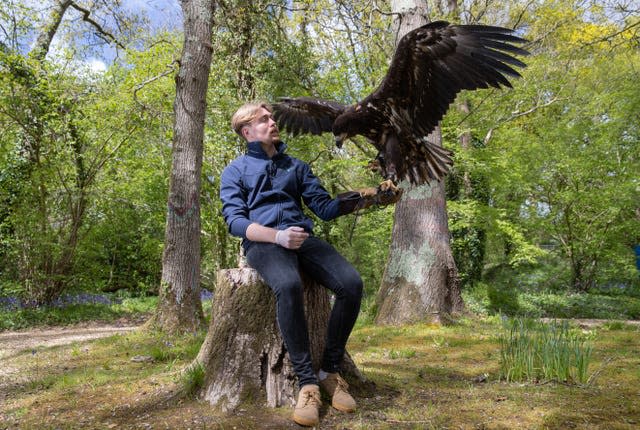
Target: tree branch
611	36
86	16
43	41
377	9
141	85
515	115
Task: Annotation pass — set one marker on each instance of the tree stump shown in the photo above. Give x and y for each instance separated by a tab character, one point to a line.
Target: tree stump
244	356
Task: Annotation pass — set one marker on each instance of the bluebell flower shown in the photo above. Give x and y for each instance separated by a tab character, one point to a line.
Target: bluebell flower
205	294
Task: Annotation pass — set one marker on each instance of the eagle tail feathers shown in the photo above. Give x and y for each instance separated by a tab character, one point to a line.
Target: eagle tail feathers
435	162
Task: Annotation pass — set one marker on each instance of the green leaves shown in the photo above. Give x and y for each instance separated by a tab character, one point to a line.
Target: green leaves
560	148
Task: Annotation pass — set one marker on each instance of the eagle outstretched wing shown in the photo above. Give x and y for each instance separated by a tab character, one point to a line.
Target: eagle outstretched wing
306	114
431	65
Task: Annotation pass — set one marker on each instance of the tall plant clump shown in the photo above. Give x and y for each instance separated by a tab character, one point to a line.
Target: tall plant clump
535	352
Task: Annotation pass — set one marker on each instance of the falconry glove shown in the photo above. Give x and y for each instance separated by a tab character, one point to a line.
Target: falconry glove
364	198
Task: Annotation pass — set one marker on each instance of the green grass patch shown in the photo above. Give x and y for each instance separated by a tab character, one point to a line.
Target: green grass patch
402	353
75	313
487	299
192	379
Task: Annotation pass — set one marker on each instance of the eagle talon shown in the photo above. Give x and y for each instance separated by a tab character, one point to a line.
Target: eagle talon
388	193
388	187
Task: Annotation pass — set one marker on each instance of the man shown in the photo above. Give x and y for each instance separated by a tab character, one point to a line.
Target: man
262	194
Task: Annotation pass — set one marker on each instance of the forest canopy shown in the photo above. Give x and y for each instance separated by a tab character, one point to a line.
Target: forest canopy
545	198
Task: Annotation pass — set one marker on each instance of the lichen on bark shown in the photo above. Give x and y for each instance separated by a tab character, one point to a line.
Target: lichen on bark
407	263
420	192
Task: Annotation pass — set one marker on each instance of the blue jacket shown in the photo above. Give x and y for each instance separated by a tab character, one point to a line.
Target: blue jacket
270	192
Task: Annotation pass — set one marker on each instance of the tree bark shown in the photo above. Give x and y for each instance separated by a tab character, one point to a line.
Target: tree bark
420	281
179	307
244	356
41	47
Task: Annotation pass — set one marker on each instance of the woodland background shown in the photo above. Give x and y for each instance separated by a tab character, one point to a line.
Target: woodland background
544	201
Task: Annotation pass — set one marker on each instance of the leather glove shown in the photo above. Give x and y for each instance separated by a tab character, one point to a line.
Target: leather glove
348	202
363	198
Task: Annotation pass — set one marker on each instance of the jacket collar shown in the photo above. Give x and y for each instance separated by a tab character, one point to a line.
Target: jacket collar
254	149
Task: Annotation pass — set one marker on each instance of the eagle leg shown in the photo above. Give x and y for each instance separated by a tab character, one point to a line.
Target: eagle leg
376	166
392	157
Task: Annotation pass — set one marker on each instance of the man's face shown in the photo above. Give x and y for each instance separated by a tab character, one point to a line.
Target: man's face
262	129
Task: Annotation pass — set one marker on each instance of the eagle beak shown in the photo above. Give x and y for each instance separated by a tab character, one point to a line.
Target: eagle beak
340	139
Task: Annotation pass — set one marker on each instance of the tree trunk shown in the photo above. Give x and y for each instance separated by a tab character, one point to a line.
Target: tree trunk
41	47
179	307
243	354
420	281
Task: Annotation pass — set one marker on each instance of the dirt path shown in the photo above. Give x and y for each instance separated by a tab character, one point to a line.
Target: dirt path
14	341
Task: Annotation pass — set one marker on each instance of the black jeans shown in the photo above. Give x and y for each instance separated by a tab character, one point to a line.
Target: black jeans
279	267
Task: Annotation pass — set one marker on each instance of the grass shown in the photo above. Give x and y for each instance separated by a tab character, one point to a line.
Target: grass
534	351
76	309
22	318
426	377
484	300
490	300
193	379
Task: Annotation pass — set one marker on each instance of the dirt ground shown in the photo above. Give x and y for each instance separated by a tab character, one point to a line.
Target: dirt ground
14	341
435	387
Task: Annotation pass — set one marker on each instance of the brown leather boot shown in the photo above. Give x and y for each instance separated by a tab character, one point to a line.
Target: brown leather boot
306	412
336	387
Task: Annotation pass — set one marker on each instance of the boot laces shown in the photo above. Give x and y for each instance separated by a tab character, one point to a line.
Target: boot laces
311	397
342	384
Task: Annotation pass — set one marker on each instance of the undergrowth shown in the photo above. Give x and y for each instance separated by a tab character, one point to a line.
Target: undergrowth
81	308
15	319
487	299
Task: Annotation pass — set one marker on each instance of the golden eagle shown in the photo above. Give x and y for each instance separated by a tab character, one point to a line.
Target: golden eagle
431	65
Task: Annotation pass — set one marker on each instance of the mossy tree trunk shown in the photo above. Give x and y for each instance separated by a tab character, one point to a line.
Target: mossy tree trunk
243	355
179	307
420	280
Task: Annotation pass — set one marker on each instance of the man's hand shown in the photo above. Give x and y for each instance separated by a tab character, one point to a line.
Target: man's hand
291	238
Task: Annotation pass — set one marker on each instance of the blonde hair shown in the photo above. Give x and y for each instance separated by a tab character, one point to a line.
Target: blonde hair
247	113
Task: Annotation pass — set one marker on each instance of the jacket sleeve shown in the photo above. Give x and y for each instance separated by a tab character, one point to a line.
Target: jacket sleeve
316	197
234	202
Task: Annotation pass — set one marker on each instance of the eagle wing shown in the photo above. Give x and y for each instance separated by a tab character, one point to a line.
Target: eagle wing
306	114
435	62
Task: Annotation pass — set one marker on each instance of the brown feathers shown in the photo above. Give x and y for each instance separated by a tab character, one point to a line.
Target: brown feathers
431	65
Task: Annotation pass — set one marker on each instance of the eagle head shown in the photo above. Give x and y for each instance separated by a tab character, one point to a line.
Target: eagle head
348	124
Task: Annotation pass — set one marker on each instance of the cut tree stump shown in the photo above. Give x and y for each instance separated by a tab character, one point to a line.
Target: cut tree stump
244	356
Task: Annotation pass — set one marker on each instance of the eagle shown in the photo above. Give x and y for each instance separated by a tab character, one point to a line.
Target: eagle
431	65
